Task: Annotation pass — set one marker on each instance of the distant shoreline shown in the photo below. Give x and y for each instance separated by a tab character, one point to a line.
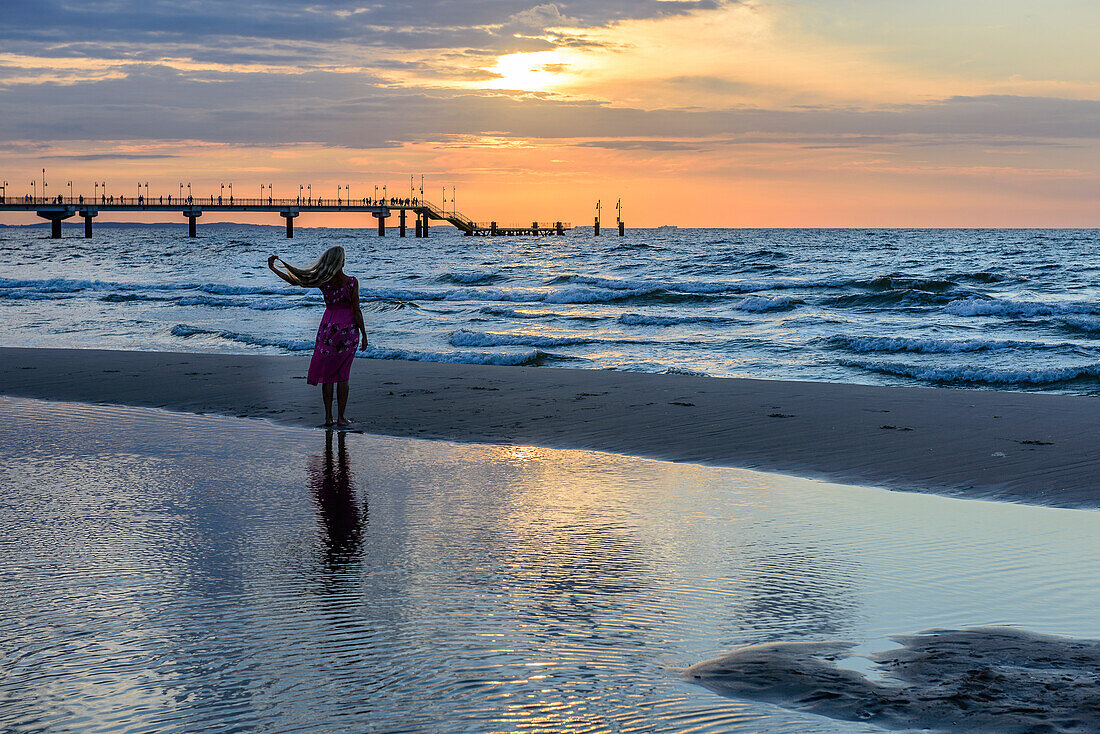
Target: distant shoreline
1024	447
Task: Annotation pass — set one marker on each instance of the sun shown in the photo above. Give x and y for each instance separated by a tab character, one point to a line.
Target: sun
539	71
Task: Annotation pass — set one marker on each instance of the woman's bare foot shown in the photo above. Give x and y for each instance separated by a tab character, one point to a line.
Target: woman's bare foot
344	422
329	422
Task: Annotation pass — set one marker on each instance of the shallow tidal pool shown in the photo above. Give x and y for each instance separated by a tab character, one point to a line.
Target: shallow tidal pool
176	573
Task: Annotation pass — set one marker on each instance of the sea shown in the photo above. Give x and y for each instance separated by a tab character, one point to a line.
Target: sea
975	308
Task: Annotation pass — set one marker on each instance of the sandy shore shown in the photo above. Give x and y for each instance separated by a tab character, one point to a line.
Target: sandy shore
1035	448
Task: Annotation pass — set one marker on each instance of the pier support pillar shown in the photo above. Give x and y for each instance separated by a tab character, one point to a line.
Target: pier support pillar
559	228
419	229
289	217
89	215
425	226
492	228
381	216
622	228
55	218
596	227
401	226
192	216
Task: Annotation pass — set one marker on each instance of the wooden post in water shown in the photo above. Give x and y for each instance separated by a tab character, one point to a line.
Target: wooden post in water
88	215
402	223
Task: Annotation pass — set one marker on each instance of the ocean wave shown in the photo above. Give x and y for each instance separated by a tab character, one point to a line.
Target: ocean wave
1000	307
904	282
618	284
906	297
637	319
474	278
506	295
896	344
759	304
268	305
511	313
466	338
970	374
532	357
1086	324
186	331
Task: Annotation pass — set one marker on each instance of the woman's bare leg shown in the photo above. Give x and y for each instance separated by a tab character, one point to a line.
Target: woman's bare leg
326	394
342	389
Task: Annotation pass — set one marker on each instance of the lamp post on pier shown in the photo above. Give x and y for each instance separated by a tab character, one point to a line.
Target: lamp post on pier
70	192
34	190
309	190
270	193
3	192
338	190
231	193
44	194
300	189
383	194
261	193
181	192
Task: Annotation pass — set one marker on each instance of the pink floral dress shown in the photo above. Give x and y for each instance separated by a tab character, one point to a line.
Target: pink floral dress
337	336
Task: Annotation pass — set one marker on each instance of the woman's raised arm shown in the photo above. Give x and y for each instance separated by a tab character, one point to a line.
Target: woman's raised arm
271	266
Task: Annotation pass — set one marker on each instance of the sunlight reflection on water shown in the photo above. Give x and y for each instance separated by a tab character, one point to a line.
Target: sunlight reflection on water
175	572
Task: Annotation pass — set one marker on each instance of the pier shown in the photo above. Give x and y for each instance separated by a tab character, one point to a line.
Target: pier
59	208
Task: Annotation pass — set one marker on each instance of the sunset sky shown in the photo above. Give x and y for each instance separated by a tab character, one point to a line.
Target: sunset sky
706	113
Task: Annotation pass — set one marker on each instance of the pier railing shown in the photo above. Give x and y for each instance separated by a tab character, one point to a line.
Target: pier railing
58	208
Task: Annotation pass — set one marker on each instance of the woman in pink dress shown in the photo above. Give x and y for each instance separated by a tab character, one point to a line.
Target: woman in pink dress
341	329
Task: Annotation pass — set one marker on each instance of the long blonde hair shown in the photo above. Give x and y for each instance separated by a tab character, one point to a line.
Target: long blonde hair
328	265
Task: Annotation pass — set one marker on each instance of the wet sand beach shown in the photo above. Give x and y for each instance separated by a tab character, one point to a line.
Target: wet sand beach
1034	448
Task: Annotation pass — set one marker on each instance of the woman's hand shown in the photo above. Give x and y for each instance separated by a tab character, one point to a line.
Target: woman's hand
363	346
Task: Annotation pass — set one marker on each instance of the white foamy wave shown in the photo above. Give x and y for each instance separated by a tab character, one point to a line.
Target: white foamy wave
466	338
637	319
868	344
186	330
532	357
268	305
221	289
980	375
66	285
507	295
703	286
472	278
762	303
996	307
1082	323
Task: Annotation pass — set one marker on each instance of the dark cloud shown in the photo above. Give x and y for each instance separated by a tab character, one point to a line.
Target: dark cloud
95	27
155	102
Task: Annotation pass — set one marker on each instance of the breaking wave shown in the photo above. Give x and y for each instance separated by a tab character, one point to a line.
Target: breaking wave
894	344
971	374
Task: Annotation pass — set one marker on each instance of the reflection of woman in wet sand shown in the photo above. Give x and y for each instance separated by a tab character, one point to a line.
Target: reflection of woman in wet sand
333	487
340	330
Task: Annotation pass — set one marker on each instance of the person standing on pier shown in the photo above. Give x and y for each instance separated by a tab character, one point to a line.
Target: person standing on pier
341	329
